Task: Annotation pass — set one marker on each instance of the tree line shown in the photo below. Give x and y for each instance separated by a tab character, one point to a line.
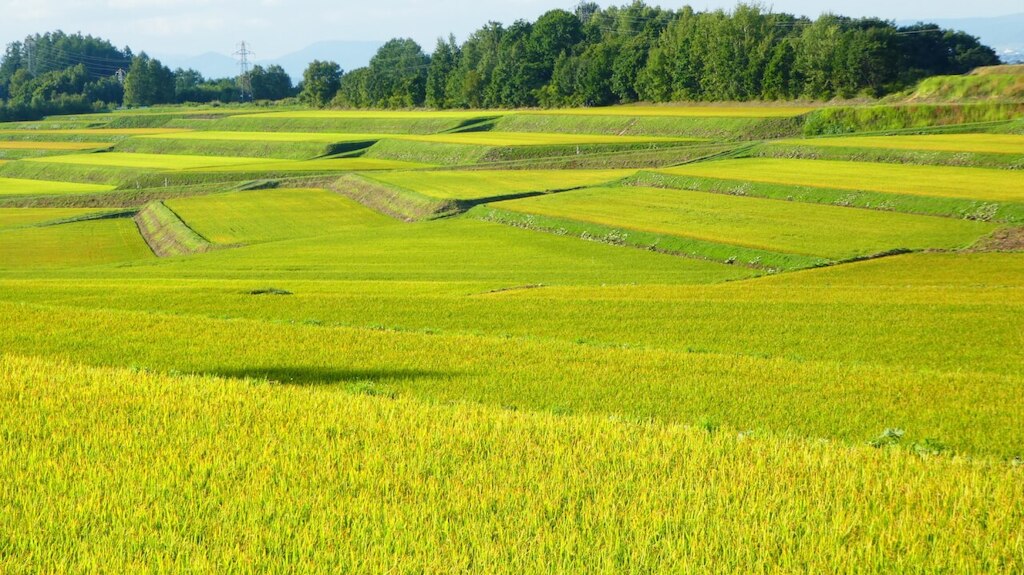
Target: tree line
591	56
601	56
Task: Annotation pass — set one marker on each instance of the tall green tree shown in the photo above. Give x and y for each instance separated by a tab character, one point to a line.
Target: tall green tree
443	64
320	82
148	82
270	83
398	75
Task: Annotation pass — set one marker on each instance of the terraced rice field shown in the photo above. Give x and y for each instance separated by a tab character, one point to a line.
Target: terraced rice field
20	217
540	370
150	161
937	181
824	231
72	245
21	187
267	215
477	184
979	143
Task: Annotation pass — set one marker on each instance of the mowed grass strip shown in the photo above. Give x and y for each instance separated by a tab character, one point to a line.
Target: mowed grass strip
536	139
72	244
938	181
813	230
382	114
55	146
476	184
19	217
128	469
267	215
321	137
739	111
254	165
975	143
22	187
468	138
93	131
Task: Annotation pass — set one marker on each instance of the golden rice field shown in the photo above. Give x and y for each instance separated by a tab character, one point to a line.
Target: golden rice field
223	475
150	161
979	143
476	184
22	187
551	359
938	181
58	146
267	215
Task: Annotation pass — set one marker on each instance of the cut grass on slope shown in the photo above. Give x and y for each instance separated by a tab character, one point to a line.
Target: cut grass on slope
268	215
535	139
23	187
74	244
91	132
977	143
255	166
152	161
737	111
308	476
936	181
377	114
811	230
319	137
166	234
478	184
54	146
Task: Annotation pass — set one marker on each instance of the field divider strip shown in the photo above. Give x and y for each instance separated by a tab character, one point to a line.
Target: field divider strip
167	234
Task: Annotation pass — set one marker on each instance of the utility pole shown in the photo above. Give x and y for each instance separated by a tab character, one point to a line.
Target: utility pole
120	75
244	81
30	44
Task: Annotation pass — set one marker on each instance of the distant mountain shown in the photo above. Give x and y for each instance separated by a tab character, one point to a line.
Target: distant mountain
1003	33
348	55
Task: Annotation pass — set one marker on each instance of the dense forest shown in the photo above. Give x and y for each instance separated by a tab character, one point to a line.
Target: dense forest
58	73
590	57
598	57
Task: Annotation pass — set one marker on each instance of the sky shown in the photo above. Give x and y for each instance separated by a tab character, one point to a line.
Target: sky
277	27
